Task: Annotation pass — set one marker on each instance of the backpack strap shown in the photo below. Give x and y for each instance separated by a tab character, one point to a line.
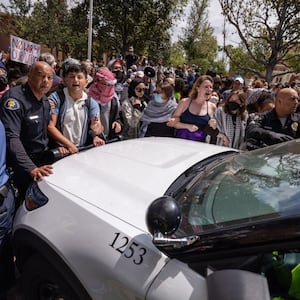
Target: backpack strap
88	102
62	97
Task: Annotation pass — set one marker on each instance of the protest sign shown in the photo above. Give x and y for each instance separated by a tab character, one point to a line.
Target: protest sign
24	51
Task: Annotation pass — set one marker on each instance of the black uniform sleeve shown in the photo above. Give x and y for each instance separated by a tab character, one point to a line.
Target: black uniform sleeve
12	121
256	132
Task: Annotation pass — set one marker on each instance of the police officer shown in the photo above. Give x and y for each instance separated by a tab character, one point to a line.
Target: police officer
278	125
7	205
25	113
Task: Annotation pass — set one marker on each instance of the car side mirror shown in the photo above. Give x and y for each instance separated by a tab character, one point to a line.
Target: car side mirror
163	216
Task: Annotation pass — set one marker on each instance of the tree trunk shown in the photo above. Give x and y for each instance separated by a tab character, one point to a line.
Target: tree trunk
269	73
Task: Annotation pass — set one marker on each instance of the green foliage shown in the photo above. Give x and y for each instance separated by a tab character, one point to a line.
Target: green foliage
199	42
48	19
142	24
268	29
21	10
242	63
219	66
177	55
116	25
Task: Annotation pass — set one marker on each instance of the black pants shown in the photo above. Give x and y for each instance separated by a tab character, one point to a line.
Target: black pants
7	268
22	179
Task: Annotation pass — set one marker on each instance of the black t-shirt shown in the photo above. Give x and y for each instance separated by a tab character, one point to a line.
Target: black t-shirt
160	129
130	60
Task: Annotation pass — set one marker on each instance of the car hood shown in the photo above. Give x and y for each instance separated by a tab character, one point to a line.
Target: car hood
123	178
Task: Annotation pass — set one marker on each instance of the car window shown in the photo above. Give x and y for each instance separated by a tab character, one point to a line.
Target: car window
247	187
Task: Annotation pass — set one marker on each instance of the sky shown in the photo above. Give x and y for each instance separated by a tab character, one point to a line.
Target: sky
216	20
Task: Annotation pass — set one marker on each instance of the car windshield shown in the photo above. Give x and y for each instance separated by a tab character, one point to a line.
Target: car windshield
247	187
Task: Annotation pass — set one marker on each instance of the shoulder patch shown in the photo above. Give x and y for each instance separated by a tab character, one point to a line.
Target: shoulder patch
12	104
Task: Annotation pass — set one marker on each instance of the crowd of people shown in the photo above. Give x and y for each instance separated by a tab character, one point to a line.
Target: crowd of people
81	103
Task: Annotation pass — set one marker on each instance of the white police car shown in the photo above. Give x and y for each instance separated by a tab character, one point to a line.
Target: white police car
162	218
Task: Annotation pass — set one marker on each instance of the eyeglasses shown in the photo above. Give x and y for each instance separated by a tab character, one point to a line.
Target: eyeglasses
139	90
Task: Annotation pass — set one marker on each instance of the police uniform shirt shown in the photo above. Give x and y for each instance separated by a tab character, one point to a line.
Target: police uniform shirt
269	121
3	173
25	119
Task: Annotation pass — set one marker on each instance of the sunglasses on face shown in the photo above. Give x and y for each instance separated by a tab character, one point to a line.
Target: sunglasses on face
139	90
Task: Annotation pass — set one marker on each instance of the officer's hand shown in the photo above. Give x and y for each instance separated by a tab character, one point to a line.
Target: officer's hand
116	126
39	173
279	137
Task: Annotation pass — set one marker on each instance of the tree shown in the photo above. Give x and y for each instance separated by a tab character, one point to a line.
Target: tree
199	42
21	10
269	31
142	24
44	22
117	25
177	56
49	19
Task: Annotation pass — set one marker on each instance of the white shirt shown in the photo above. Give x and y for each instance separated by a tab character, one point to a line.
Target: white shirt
74	118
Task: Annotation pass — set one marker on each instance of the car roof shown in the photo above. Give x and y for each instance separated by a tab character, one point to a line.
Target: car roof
123	178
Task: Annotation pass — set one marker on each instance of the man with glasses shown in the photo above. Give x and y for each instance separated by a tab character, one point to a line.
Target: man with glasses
278	125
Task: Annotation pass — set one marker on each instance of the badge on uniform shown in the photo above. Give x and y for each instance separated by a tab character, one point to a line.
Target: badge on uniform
295	126
12	104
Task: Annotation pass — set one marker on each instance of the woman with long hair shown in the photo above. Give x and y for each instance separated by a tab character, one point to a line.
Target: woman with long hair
231	120
193	117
